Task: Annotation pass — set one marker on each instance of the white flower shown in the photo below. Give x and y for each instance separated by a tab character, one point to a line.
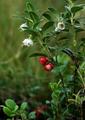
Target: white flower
27	42
60	26
23	26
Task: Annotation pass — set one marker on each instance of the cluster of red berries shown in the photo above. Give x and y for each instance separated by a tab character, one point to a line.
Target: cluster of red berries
48	66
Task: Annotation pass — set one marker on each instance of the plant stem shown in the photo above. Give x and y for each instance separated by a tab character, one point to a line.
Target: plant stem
45	47
63	85
13	118
83	110
81	113
48	51
82	79
74	78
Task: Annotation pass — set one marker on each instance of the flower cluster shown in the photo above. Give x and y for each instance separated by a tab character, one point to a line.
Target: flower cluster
28	41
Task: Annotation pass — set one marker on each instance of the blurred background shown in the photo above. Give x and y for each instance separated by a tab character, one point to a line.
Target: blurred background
21	77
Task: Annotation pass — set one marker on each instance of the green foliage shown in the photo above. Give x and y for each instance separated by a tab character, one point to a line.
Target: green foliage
32	115
58	35
23	106
11	109
11	104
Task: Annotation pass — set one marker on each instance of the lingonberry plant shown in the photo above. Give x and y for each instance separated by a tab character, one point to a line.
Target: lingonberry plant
61	42
62	52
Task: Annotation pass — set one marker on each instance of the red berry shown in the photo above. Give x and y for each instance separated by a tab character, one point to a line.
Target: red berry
43	60
49	66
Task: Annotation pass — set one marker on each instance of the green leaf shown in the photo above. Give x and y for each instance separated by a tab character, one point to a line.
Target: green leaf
63	59
47	25
67	14
34	17
46	15
59	69
16	108
23	106
29	7
79	29
70	53
76	8
24	116
37	54
10	104
8	112
32	32
32	115
36	25
53	10
82	66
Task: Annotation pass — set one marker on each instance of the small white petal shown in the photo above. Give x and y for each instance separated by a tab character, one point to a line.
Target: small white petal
23	26
27	42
